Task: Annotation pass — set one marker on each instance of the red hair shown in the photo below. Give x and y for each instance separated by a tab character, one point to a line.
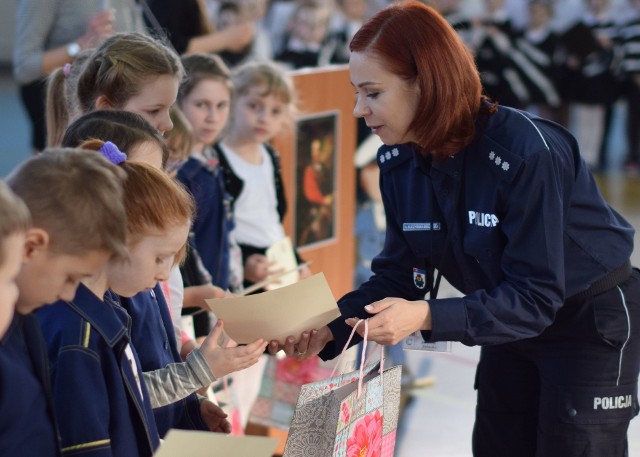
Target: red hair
418	45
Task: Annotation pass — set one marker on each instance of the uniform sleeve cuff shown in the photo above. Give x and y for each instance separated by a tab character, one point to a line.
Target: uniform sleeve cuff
340	332
449	320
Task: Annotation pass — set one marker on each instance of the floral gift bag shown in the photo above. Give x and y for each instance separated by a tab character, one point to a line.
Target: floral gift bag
280	387
352	415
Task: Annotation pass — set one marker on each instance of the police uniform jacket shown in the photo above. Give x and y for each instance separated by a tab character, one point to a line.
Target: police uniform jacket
154	338
523	223
96	396
27	422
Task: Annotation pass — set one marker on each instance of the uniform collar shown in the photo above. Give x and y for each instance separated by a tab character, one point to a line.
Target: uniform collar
451	165
108	318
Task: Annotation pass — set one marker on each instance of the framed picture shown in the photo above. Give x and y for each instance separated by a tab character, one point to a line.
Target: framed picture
316	179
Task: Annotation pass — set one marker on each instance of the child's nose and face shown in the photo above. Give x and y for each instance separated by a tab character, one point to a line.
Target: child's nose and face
151	257
12	250
260	116
47	276
206	108
154	100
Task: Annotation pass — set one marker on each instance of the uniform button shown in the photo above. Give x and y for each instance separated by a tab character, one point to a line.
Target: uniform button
166	345
572	412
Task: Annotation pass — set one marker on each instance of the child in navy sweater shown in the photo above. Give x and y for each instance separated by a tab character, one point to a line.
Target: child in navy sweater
72	236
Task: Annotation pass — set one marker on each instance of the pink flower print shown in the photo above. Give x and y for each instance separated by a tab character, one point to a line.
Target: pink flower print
366	438
345	413
294	371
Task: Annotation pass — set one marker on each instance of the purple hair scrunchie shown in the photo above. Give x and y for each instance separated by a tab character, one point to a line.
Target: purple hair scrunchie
112	153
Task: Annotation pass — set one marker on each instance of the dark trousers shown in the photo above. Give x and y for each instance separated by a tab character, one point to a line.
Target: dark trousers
33	97
569	392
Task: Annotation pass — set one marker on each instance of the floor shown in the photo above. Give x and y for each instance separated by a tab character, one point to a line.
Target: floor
439	420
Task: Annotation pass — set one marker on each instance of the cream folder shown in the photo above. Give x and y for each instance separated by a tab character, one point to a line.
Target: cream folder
191	443
278	313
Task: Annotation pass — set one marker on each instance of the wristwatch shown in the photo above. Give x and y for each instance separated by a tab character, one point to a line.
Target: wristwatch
73	49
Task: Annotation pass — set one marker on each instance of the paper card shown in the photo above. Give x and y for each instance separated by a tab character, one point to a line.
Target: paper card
415	342
181	443
278	313
281	254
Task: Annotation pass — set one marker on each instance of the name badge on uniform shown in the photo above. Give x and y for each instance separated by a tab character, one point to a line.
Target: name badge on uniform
419	278
420	226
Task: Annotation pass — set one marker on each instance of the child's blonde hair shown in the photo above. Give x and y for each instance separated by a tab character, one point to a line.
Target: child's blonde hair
15	217
117	70
60	113
180	138
76	197
199	67
273	77
154	202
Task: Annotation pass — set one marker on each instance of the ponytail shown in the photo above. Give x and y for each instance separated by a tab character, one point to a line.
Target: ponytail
57	112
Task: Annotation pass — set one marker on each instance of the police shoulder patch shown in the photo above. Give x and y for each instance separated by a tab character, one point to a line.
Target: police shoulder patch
498	159
391	156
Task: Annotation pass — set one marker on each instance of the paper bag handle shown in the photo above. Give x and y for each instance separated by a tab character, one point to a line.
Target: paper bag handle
363	358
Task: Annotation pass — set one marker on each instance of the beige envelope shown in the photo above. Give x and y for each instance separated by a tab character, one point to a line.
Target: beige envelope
191	443
278	313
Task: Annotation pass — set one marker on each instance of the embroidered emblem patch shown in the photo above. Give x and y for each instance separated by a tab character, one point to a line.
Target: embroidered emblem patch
419	278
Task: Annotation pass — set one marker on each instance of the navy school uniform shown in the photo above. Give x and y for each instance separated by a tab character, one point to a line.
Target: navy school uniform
100	409
27	422
152	335
213	219
544	263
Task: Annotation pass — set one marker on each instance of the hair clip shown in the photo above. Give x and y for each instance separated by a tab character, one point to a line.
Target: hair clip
112	153
66	70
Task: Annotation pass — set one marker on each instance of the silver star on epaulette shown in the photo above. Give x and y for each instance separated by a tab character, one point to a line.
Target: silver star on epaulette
382	158
388	155
498	160
505	166
395	152
492	155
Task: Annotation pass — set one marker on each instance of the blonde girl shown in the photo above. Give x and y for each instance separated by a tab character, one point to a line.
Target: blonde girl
130	72
263	106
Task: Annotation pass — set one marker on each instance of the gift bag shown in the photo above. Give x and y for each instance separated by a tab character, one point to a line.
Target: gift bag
352	415
281	383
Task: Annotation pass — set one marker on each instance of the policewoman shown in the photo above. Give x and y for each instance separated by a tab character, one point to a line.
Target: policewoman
501	204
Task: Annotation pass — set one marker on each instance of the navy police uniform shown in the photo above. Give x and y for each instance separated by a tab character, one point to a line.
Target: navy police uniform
515	221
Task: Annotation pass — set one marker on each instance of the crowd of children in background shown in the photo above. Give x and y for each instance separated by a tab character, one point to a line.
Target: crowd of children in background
118	266
574	61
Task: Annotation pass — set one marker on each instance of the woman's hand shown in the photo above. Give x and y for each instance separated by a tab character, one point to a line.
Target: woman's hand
99	27
394	319
224	360
308	345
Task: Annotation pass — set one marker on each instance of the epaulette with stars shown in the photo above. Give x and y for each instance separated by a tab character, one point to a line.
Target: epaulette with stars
499	160
391	156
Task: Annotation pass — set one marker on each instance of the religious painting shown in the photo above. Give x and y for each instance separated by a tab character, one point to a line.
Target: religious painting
316	143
